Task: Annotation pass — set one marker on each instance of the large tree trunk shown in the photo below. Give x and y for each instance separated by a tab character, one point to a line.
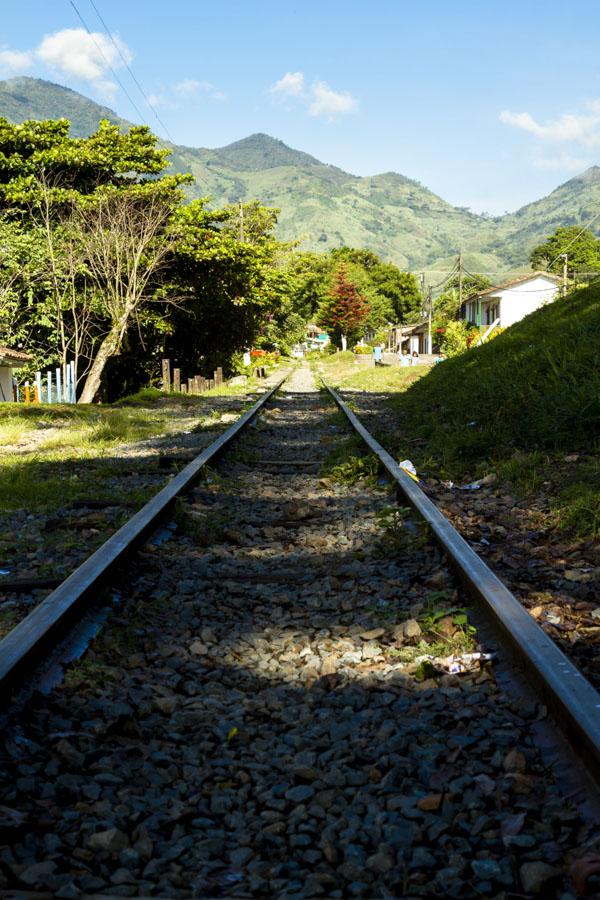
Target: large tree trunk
110	346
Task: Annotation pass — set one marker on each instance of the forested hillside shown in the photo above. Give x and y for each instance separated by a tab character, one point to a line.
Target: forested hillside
324	207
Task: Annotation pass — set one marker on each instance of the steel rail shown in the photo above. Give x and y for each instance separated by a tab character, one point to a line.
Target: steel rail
43	628
573	700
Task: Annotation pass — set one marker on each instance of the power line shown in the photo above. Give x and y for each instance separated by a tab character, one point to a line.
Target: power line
106	60
129	69
570	244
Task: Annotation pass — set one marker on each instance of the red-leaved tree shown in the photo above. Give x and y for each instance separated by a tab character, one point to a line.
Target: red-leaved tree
344	309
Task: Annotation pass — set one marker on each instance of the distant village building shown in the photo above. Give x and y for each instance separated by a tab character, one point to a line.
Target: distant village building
409	338
9	360
511	301
316	338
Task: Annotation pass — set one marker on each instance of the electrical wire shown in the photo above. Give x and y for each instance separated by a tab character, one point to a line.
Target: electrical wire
104	57
570	244
129	69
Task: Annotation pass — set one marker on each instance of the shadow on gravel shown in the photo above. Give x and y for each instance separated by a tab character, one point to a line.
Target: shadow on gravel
243	729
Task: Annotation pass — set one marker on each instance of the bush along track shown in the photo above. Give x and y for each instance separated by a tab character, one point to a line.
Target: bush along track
286	707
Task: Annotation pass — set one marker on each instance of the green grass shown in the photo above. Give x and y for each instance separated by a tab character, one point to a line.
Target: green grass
534	388
515	406
63	453
345	371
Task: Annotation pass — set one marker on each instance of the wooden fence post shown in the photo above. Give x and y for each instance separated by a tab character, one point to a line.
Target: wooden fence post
184	388
190	385
166	375
176	380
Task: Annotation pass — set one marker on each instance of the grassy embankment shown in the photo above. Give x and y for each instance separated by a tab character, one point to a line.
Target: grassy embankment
50	455
359	373
526	406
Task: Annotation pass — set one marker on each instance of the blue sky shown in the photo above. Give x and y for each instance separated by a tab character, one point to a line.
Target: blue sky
489	104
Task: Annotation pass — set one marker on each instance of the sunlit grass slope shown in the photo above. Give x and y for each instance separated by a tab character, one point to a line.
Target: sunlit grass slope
535	387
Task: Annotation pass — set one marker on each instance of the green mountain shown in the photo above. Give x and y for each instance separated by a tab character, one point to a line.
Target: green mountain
324	207
33	98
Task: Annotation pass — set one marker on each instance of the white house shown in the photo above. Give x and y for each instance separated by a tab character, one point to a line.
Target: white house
9	360
513	300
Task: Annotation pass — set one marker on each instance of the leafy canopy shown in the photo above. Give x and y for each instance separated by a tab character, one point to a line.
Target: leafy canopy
582	249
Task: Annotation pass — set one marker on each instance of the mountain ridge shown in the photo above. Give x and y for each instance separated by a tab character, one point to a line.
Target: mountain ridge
325	206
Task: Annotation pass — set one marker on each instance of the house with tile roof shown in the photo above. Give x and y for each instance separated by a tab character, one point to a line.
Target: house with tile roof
509	302
9	360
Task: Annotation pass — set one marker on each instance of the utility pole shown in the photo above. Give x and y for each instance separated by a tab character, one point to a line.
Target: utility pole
430	312
460	280
241	222
565	259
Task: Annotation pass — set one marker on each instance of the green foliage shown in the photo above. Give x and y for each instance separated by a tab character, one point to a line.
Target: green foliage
400	530
112	264
454	339
392	295
437	608
353	469
328	208
582	249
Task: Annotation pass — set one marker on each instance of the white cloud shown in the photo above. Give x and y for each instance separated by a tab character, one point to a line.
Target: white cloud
291	85
563	163
15	60
330	103
213	92
319	99
187	87
88	57
581	129
76	54
156	100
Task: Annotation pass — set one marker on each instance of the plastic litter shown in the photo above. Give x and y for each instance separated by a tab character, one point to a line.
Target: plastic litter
473	486
457	664
409	467
450	486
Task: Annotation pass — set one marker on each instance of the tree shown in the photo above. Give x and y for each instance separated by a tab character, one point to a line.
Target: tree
65	194
400	289
230	289
345	308
582	249
392	295
126	246
455	338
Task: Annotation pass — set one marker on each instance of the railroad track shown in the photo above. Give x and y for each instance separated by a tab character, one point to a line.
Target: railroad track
288	701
